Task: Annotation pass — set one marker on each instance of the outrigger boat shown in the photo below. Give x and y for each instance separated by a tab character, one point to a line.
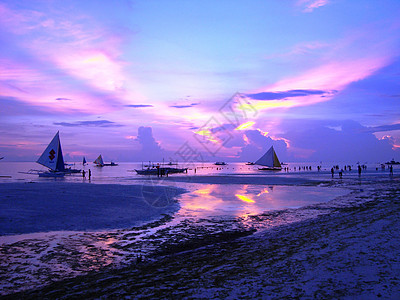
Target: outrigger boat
269	161
160	170
52	158
392	162
100	163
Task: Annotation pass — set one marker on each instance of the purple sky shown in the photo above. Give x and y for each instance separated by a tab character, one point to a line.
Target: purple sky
201	80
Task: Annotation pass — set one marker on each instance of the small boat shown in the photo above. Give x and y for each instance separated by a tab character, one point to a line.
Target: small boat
84	162
392	162
269	161
100	163
220	163
250	163
69	170
52	158
160	169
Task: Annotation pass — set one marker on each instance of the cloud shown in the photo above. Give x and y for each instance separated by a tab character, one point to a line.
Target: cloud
63	99
382	128
314	140
150	149
328	78
138	105
185	106
310	5
99	123
15	107
87	61
303	48
287	94
256	144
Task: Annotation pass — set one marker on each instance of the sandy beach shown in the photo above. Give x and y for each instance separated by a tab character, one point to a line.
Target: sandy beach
345	248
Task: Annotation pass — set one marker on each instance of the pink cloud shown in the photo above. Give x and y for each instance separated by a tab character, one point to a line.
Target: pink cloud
301	49
96	67
75	56
19	22
333	76
310	5
41	89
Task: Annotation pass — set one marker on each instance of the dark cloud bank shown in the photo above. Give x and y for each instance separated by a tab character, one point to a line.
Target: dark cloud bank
343	141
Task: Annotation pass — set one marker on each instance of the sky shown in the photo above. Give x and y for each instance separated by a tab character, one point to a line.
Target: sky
201	80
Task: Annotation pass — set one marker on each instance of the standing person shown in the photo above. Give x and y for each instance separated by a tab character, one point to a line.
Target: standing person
391	170
332	171
83	173
359	170
90	174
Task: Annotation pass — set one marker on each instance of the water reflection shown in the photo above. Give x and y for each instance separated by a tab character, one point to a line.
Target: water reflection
240	200
245	198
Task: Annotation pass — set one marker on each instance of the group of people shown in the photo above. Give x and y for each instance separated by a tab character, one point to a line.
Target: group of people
84	174
305	168
360	168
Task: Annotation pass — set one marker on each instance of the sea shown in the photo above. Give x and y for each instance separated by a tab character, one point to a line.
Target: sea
210	199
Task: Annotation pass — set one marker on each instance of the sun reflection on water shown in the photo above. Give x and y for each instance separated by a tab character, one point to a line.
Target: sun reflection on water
242	200
245	198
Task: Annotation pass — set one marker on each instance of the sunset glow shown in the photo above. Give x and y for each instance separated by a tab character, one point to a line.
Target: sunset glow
140	80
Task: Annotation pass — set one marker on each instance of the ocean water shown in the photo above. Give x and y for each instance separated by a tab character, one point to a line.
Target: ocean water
124	173
210	199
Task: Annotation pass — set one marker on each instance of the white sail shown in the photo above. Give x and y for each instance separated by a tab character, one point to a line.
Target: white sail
52	156
99	160
269	159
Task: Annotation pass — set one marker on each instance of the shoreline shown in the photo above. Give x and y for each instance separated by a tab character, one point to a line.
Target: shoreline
231	244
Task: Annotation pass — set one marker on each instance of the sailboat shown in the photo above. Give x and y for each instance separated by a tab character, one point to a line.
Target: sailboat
52	158
99	161
269	160
84	161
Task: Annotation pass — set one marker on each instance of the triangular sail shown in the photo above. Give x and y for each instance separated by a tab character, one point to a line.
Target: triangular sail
277	163
84	161
52	156
99	160
269	159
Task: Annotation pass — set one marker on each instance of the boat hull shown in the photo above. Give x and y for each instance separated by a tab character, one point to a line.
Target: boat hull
270	169
72	171
51	174
161	171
